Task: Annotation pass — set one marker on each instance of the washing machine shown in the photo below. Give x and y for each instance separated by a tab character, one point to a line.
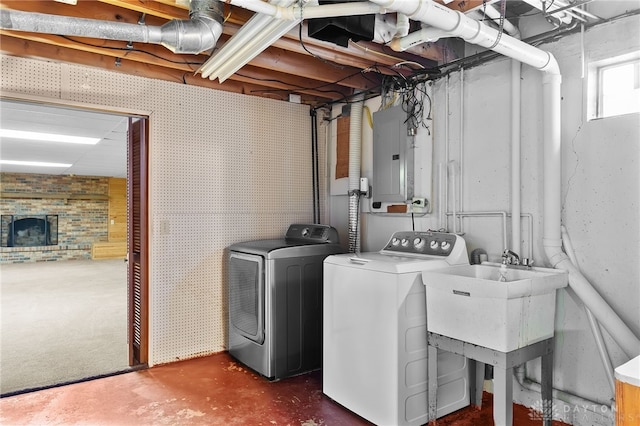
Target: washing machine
275	300
375	334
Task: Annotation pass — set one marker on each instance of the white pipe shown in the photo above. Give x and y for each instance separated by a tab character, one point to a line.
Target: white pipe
452	167
259	7
355	147
338	9
516	166
441	199
569	398
296	12
502	214
402	25
461	146
593	324
446	146
424	35
515	157
457	24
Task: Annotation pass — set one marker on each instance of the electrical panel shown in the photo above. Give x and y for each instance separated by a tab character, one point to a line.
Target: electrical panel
393	162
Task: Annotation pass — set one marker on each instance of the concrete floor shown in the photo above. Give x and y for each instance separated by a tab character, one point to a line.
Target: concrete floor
213	390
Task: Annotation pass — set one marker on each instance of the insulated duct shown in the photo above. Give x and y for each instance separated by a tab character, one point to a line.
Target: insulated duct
193	36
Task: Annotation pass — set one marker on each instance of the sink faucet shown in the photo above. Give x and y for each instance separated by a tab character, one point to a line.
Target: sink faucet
510	258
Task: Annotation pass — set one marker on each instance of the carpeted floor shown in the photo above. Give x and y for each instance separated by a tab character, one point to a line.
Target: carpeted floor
61	321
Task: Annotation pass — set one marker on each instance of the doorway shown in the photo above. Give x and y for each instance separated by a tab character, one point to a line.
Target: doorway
87	288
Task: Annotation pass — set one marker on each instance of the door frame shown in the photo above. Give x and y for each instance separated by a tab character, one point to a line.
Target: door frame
146	115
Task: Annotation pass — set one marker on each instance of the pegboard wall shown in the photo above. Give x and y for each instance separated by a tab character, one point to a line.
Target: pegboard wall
224	168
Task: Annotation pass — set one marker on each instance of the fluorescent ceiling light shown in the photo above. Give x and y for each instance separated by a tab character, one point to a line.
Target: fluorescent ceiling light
47	137
34	163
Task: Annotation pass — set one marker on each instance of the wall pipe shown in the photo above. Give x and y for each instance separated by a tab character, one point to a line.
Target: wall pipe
504	215
446	148
567	397
593	324
195	35
424	35
516	165
355	147
441	206
461	147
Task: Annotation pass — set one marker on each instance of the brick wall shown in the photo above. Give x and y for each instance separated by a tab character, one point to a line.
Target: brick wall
81	203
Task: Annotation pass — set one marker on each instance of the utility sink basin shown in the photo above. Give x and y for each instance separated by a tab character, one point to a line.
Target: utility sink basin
494	306
496	280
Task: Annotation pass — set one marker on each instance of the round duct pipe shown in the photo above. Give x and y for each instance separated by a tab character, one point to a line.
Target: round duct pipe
193	36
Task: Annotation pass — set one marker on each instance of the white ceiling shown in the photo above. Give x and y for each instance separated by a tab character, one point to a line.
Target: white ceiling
107	158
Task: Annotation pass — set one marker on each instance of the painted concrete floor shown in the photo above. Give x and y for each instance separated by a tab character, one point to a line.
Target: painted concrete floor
213	390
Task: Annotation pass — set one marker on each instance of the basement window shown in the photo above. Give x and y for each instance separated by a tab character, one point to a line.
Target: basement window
617	87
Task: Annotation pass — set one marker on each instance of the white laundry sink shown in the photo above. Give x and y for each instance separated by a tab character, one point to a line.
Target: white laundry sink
491	305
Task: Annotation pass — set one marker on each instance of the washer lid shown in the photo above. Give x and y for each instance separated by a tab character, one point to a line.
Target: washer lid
383	262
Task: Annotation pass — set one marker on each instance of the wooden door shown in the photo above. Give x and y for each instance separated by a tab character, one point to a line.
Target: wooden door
137	224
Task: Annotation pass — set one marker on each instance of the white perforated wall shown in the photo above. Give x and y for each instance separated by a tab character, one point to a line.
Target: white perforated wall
224	168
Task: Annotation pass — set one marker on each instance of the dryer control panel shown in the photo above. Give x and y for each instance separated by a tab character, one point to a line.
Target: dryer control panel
422	243
312	233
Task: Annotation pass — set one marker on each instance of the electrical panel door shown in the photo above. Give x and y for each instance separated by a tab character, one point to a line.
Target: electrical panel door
393	153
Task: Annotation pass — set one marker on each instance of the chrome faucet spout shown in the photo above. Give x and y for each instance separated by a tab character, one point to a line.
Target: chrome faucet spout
510	258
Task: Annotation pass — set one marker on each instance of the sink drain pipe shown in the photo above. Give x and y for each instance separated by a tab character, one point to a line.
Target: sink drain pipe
192	36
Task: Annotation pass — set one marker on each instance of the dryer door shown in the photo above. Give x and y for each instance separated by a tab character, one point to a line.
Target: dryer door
246	295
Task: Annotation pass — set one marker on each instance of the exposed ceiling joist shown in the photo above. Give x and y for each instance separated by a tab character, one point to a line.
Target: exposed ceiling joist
284	65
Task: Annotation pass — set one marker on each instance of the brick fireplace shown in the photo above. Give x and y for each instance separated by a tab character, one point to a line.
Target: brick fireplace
52	217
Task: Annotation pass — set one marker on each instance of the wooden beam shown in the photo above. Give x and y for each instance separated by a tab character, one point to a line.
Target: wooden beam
464	5
185	63
84	9
31	49
276	59
153	8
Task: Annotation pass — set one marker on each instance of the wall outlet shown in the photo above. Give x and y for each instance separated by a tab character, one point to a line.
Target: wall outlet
419	202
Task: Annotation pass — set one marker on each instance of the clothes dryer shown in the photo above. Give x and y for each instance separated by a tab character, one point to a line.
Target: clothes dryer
275	300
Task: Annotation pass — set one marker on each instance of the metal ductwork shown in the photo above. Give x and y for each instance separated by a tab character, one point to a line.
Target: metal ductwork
195	35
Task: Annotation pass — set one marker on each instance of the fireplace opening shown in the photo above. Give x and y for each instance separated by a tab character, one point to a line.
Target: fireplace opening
29	230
